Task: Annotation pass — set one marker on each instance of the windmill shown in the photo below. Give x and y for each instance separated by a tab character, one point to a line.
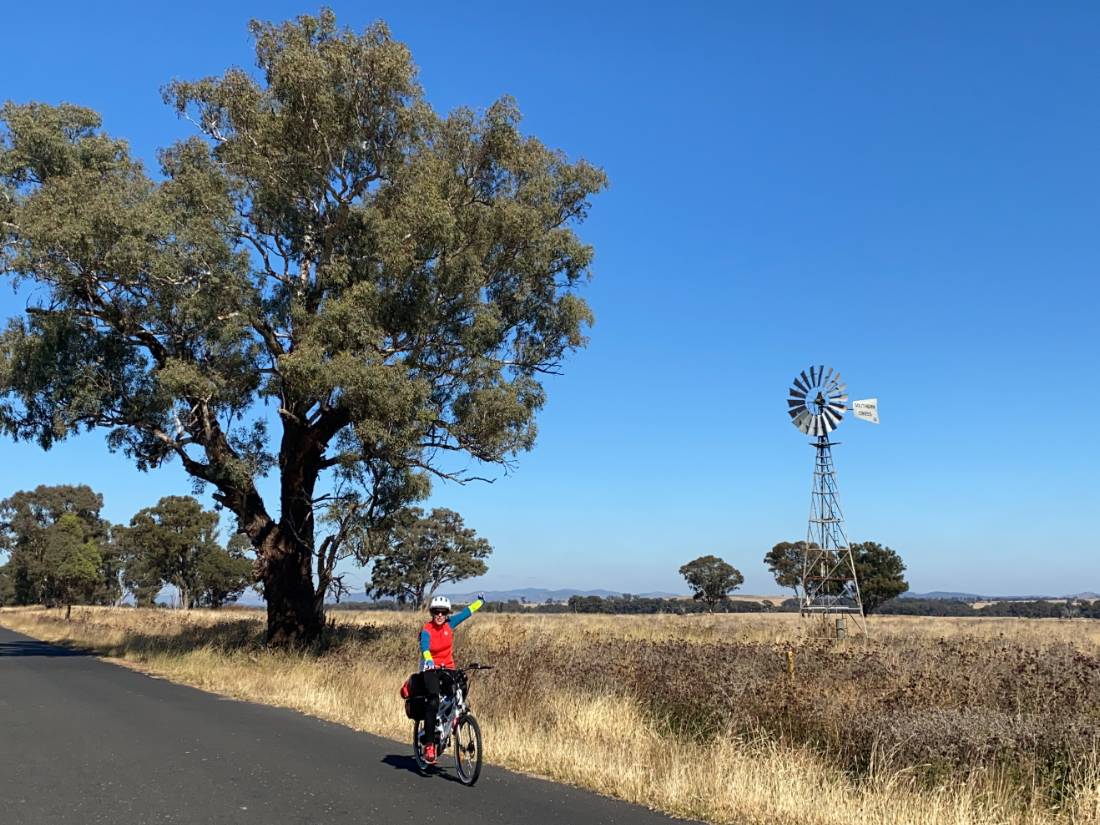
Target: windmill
816	405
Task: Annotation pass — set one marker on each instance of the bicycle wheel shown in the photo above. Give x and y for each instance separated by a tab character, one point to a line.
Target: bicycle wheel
418	749
467	738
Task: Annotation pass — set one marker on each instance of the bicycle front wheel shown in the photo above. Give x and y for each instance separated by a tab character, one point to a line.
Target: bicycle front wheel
467	737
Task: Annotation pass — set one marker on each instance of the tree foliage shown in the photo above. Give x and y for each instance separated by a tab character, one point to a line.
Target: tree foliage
880	573
175	542
711	579
424	552
37	544
785	562
73	559
330	259
224	575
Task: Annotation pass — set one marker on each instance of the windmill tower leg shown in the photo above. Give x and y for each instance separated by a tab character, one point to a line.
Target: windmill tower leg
829	584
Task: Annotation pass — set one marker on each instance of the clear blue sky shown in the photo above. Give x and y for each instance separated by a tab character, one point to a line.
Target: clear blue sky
907	192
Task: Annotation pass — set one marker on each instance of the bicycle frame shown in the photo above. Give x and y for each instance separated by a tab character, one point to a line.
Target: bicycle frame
451	708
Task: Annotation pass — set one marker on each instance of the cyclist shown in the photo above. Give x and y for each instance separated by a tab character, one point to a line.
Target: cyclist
437	651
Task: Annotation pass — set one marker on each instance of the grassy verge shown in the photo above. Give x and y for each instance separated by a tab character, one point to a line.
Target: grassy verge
933	722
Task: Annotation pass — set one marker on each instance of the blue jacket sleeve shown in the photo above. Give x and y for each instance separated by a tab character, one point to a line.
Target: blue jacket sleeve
425	653
462	615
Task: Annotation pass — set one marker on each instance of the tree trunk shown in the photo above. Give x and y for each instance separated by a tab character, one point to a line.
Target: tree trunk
294	615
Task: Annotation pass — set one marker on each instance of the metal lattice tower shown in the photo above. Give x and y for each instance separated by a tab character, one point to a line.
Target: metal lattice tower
816	405
829	582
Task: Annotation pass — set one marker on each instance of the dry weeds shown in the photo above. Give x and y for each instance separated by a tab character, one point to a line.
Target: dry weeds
930	721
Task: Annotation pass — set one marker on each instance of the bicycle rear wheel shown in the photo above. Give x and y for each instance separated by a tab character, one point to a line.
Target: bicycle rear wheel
418	747
467	739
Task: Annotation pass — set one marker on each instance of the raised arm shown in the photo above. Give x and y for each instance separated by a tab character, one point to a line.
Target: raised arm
426	662
466	612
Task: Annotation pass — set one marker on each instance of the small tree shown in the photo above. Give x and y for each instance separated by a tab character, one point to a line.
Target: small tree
73	559
711	579
25	519
175	542
785	561
425	552
224	574
880	573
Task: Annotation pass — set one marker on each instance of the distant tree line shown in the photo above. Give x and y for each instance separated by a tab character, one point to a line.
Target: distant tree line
60	551
879	570
1029	609
628	604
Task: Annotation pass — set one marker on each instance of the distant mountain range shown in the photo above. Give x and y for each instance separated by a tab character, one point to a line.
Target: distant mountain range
538	595
534	595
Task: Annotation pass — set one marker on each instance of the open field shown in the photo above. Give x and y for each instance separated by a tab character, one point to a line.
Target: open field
925	721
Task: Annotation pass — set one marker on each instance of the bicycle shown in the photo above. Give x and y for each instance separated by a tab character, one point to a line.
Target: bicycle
454	720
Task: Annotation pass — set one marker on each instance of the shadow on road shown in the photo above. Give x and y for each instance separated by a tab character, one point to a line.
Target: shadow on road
407	763
225	636
36	649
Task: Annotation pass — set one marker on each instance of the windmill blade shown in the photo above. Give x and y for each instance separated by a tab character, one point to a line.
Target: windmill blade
826	379
794	403
832	416
802	421
837	411
794	413
800	385
841	388
797	393
806	380
820	372
834	379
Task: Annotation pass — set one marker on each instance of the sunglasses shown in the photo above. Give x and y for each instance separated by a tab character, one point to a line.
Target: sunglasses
440	612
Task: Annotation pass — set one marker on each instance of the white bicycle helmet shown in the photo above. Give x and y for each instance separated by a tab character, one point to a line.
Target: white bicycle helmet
440	603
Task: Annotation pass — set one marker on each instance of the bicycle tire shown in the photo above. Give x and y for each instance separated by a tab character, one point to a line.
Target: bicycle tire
467	745
418	750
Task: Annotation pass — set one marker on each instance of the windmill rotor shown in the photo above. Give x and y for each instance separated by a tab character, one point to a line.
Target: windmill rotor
817	402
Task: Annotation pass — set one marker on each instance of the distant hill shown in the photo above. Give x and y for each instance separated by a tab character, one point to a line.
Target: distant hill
538	595
534	595
945	594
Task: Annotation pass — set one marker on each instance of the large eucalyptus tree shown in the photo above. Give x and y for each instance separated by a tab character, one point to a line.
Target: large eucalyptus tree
331	277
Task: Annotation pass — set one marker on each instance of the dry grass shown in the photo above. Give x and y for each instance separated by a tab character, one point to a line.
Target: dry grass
625	705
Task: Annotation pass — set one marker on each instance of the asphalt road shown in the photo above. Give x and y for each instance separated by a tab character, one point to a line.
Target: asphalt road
83	742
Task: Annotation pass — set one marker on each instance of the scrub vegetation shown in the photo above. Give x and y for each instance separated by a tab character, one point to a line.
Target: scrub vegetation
744	718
